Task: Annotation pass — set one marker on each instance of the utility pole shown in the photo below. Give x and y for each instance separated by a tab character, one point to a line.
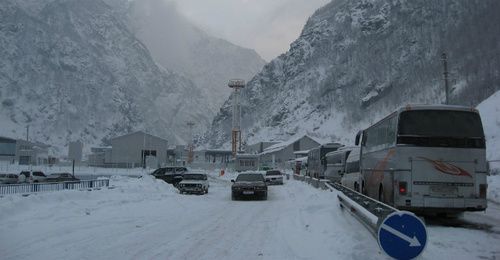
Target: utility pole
445	73
27	132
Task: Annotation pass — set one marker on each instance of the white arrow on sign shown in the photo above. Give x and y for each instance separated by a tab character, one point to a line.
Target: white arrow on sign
413	241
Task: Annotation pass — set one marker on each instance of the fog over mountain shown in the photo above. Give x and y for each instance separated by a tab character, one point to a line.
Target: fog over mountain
77	70
178	45
356	61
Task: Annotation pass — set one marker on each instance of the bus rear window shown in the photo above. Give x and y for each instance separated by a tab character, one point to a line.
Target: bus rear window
441	128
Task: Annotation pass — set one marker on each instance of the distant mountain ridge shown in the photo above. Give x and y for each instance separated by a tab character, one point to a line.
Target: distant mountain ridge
356	61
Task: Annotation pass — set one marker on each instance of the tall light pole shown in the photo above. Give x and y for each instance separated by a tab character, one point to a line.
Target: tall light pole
236	85
190	143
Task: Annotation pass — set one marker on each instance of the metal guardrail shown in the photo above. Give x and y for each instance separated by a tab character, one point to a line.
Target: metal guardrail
369	211
43	187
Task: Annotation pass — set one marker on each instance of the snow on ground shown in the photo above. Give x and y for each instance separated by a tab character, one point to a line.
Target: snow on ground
144	218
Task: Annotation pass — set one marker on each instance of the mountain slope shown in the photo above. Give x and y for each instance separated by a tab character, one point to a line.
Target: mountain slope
72	70
356	61
178	45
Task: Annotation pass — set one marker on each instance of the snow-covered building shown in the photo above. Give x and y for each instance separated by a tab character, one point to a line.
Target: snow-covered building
279	154
258	147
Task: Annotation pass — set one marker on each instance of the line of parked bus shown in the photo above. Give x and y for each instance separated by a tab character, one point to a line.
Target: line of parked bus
429	159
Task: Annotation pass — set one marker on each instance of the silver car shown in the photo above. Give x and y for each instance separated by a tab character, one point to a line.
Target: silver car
8	178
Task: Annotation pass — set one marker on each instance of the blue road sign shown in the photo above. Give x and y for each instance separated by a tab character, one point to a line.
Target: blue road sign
402	235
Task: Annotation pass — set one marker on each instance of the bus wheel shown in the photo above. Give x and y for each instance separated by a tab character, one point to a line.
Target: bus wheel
381	196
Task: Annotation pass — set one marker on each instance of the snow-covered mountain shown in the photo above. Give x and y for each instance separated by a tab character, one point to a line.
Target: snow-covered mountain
178	45
72	70
355	61
90	70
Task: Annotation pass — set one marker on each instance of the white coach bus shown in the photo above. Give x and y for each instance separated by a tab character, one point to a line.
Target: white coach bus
429	159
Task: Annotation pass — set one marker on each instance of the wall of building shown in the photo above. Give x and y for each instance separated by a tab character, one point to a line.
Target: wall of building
282	156
258	147
128	149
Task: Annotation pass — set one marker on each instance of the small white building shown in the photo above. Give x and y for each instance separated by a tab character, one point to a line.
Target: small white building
246	162
31	153
277	156
99	156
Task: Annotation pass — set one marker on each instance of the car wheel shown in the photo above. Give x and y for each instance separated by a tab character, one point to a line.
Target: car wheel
233	196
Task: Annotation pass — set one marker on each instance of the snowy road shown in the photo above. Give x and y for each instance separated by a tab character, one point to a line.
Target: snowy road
146	219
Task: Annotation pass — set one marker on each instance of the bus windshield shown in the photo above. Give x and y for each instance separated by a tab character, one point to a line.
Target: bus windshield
442	128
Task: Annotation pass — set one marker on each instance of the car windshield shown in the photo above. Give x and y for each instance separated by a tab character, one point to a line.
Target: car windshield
38	174
195	177
268	173
250	177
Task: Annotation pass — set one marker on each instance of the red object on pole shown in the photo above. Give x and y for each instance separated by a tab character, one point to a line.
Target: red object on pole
221	172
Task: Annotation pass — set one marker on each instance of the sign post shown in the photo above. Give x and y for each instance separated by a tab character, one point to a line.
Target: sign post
402	235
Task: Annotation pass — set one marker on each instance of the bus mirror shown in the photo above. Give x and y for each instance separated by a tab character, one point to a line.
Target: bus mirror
357	138
363	139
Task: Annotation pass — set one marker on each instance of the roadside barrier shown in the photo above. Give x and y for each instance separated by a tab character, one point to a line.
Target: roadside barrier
44	187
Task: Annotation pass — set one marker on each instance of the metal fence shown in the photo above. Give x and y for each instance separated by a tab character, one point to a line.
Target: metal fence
42	187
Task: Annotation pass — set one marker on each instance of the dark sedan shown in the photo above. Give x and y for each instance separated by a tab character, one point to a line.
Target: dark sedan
60	177
249	185
170	174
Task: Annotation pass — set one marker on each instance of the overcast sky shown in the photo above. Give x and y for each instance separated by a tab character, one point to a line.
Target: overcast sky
267	26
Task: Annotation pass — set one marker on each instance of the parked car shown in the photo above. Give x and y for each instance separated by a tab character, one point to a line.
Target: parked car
274	177
170	174
194	183
32	176
8	178
60	177
249	184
